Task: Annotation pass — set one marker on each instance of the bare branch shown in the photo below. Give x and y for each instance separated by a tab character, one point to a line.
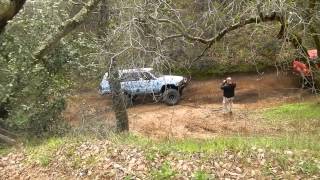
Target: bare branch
274	16
171	37
181	30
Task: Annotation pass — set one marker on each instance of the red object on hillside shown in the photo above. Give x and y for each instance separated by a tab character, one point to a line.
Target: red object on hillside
300	68
313	54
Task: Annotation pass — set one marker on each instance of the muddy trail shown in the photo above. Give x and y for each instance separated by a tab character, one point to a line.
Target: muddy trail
198	115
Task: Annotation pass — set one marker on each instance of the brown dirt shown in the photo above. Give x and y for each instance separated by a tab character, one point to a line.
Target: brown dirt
199	113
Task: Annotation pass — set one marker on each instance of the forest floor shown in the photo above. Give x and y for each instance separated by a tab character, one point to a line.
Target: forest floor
199	114
273	133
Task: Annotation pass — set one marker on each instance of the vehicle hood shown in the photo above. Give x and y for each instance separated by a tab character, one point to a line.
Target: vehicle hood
171	79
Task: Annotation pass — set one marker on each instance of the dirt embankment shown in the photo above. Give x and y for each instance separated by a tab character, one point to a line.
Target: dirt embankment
199	112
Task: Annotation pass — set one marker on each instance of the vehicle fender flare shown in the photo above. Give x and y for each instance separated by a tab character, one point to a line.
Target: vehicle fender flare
168	86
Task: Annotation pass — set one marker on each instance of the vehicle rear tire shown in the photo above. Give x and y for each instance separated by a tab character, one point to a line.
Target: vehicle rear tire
171	97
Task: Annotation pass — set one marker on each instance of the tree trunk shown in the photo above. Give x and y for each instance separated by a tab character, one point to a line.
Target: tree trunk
118	99
5	103
8	9
4	113
103	19
311	23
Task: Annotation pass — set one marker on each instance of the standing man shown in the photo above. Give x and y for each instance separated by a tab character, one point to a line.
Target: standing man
228	88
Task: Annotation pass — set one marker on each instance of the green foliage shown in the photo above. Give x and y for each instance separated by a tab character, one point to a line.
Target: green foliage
220	144
129	177
270	49
308	167
283	161
201	175
4	150
151	154
47	117
221	69
317	78
44	152
299	111
33	93
164	172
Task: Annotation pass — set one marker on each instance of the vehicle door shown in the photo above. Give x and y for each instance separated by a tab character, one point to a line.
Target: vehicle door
148	83
130	82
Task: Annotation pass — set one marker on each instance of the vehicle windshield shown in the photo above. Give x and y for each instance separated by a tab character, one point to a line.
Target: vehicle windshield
156	73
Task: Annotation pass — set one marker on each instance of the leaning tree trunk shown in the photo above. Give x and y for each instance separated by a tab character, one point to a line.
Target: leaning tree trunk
7	139
51	41
104	16
8	9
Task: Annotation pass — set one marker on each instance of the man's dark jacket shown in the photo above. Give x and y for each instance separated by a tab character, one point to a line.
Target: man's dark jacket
228	89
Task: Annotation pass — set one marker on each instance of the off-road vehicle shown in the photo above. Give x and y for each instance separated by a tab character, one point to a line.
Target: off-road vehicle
135	82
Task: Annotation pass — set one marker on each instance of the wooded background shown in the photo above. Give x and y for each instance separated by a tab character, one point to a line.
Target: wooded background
50	48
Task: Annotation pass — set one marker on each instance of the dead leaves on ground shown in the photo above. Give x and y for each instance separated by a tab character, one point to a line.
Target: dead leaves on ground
107	160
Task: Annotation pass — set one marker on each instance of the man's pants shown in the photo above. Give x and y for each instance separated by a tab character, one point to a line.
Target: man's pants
227	104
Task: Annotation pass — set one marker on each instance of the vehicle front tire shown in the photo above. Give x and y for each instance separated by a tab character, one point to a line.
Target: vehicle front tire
171	97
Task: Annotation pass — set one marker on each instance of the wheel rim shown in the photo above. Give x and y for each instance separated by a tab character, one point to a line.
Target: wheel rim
172	98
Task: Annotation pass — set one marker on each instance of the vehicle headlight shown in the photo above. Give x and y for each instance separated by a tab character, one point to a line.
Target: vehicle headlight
185	80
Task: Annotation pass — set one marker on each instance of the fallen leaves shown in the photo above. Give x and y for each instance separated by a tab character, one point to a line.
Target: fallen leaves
106	160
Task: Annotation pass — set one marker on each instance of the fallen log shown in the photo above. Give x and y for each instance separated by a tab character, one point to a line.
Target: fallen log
7	139
7	133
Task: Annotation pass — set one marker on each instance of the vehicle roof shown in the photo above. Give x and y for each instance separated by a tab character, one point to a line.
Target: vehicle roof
135	70
130	70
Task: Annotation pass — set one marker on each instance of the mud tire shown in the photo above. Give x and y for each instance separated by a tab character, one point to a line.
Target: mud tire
171	97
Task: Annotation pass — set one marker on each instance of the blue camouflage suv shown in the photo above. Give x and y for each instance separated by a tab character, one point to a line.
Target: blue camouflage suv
144	81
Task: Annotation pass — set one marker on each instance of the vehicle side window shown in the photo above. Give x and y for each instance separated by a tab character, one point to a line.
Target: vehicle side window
124	77
146	76
134	76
